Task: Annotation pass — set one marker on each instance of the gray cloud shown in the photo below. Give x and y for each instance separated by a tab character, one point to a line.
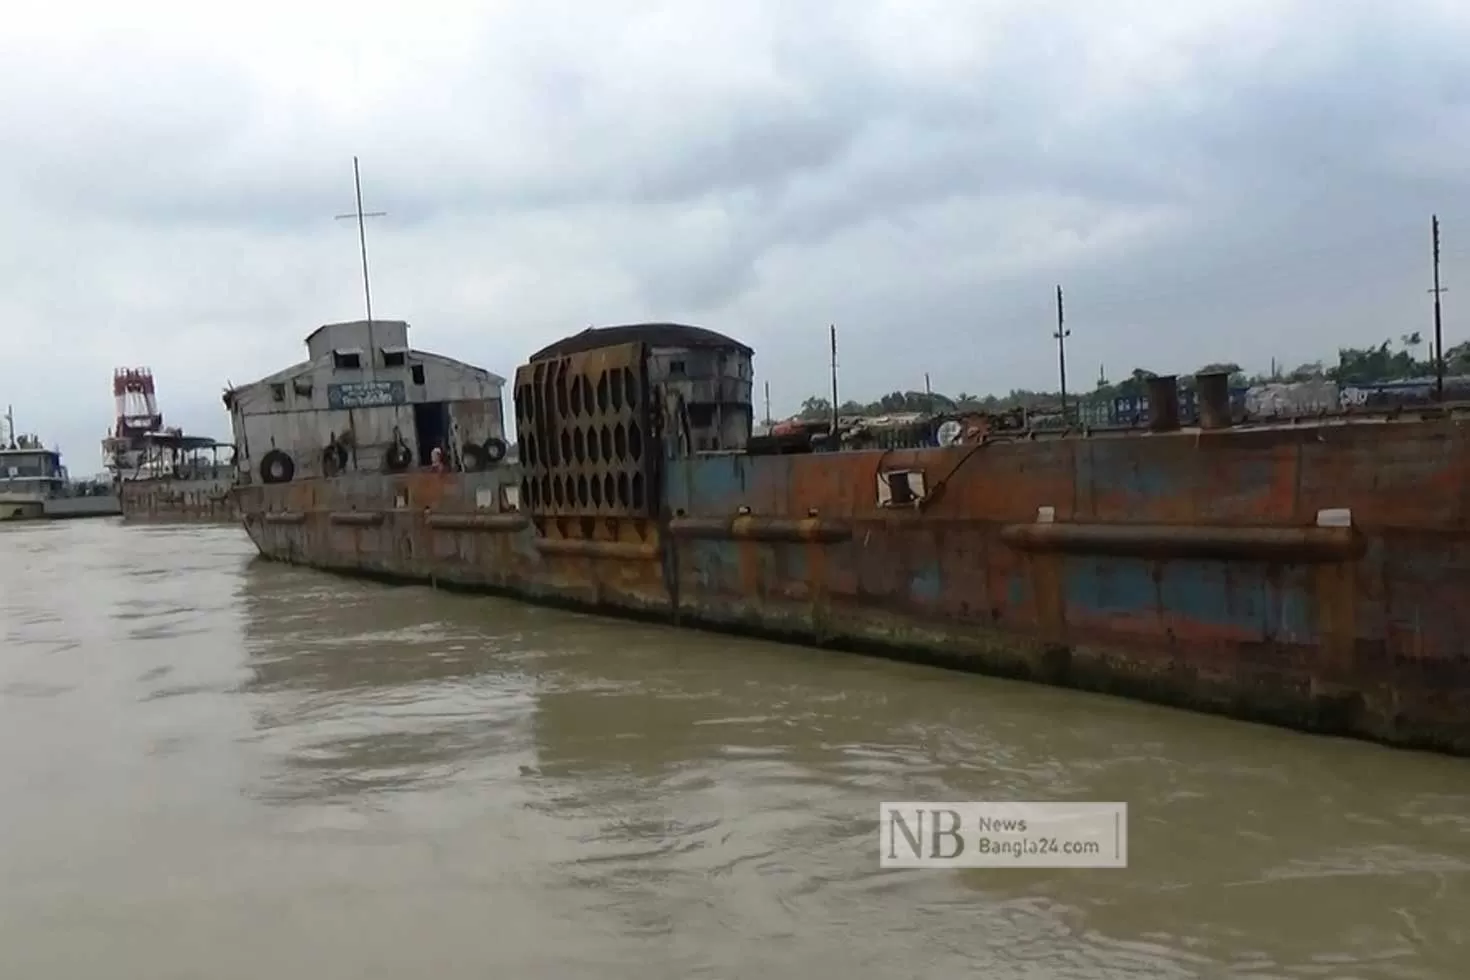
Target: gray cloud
1212	181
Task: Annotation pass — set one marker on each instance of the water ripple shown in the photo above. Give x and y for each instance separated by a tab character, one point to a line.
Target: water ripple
308	776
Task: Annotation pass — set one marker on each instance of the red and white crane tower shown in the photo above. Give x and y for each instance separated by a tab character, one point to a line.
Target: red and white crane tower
136	399
137	402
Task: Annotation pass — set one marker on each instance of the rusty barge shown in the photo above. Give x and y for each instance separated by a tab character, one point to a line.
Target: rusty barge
1309	574
158	472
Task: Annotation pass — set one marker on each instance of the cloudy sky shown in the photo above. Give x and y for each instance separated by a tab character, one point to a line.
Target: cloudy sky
1207	180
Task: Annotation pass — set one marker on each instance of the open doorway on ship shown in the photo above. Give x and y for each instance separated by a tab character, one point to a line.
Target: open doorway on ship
431	428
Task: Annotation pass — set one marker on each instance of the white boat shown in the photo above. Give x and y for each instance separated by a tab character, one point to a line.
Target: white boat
34	484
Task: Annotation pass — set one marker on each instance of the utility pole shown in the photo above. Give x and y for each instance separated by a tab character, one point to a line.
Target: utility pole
1061	338
367	293
928	395
833	333
768	406
1438	327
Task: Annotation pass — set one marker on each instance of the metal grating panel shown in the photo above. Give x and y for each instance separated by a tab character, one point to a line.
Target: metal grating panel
587	447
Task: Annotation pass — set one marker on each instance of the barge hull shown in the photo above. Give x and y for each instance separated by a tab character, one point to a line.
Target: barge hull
206	500
68	508
1307	576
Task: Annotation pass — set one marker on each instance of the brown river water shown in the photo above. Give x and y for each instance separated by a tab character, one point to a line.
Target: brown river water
216	767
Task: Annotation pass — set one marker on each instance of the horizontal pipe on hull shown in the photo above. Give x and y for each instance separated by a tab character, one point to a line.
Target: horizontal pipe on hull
497	523
775	529
1289	544
356	518
281	517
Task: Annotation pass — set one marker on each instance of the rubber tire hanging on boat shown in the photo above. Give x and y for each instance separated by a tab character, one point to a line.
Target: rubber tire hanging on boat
473	456
276	467
398	458
495	450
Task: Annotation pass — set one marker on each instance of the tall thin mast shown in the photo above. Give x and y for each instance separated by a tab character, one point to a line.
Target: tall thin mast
367	292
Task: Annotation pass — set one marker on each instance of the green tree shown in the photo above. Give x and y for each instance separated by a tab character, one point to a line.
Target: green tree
816	407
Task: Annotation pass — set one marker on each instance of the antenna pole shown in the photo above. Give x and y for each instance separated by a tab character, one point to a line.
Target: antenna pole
1061	338
768	405
833	332
367	293
1438	327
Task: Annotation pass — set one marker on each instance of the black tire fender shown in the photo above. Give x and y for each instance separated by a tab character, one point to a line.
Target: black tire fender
495	450
474	457
277	467
398	458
